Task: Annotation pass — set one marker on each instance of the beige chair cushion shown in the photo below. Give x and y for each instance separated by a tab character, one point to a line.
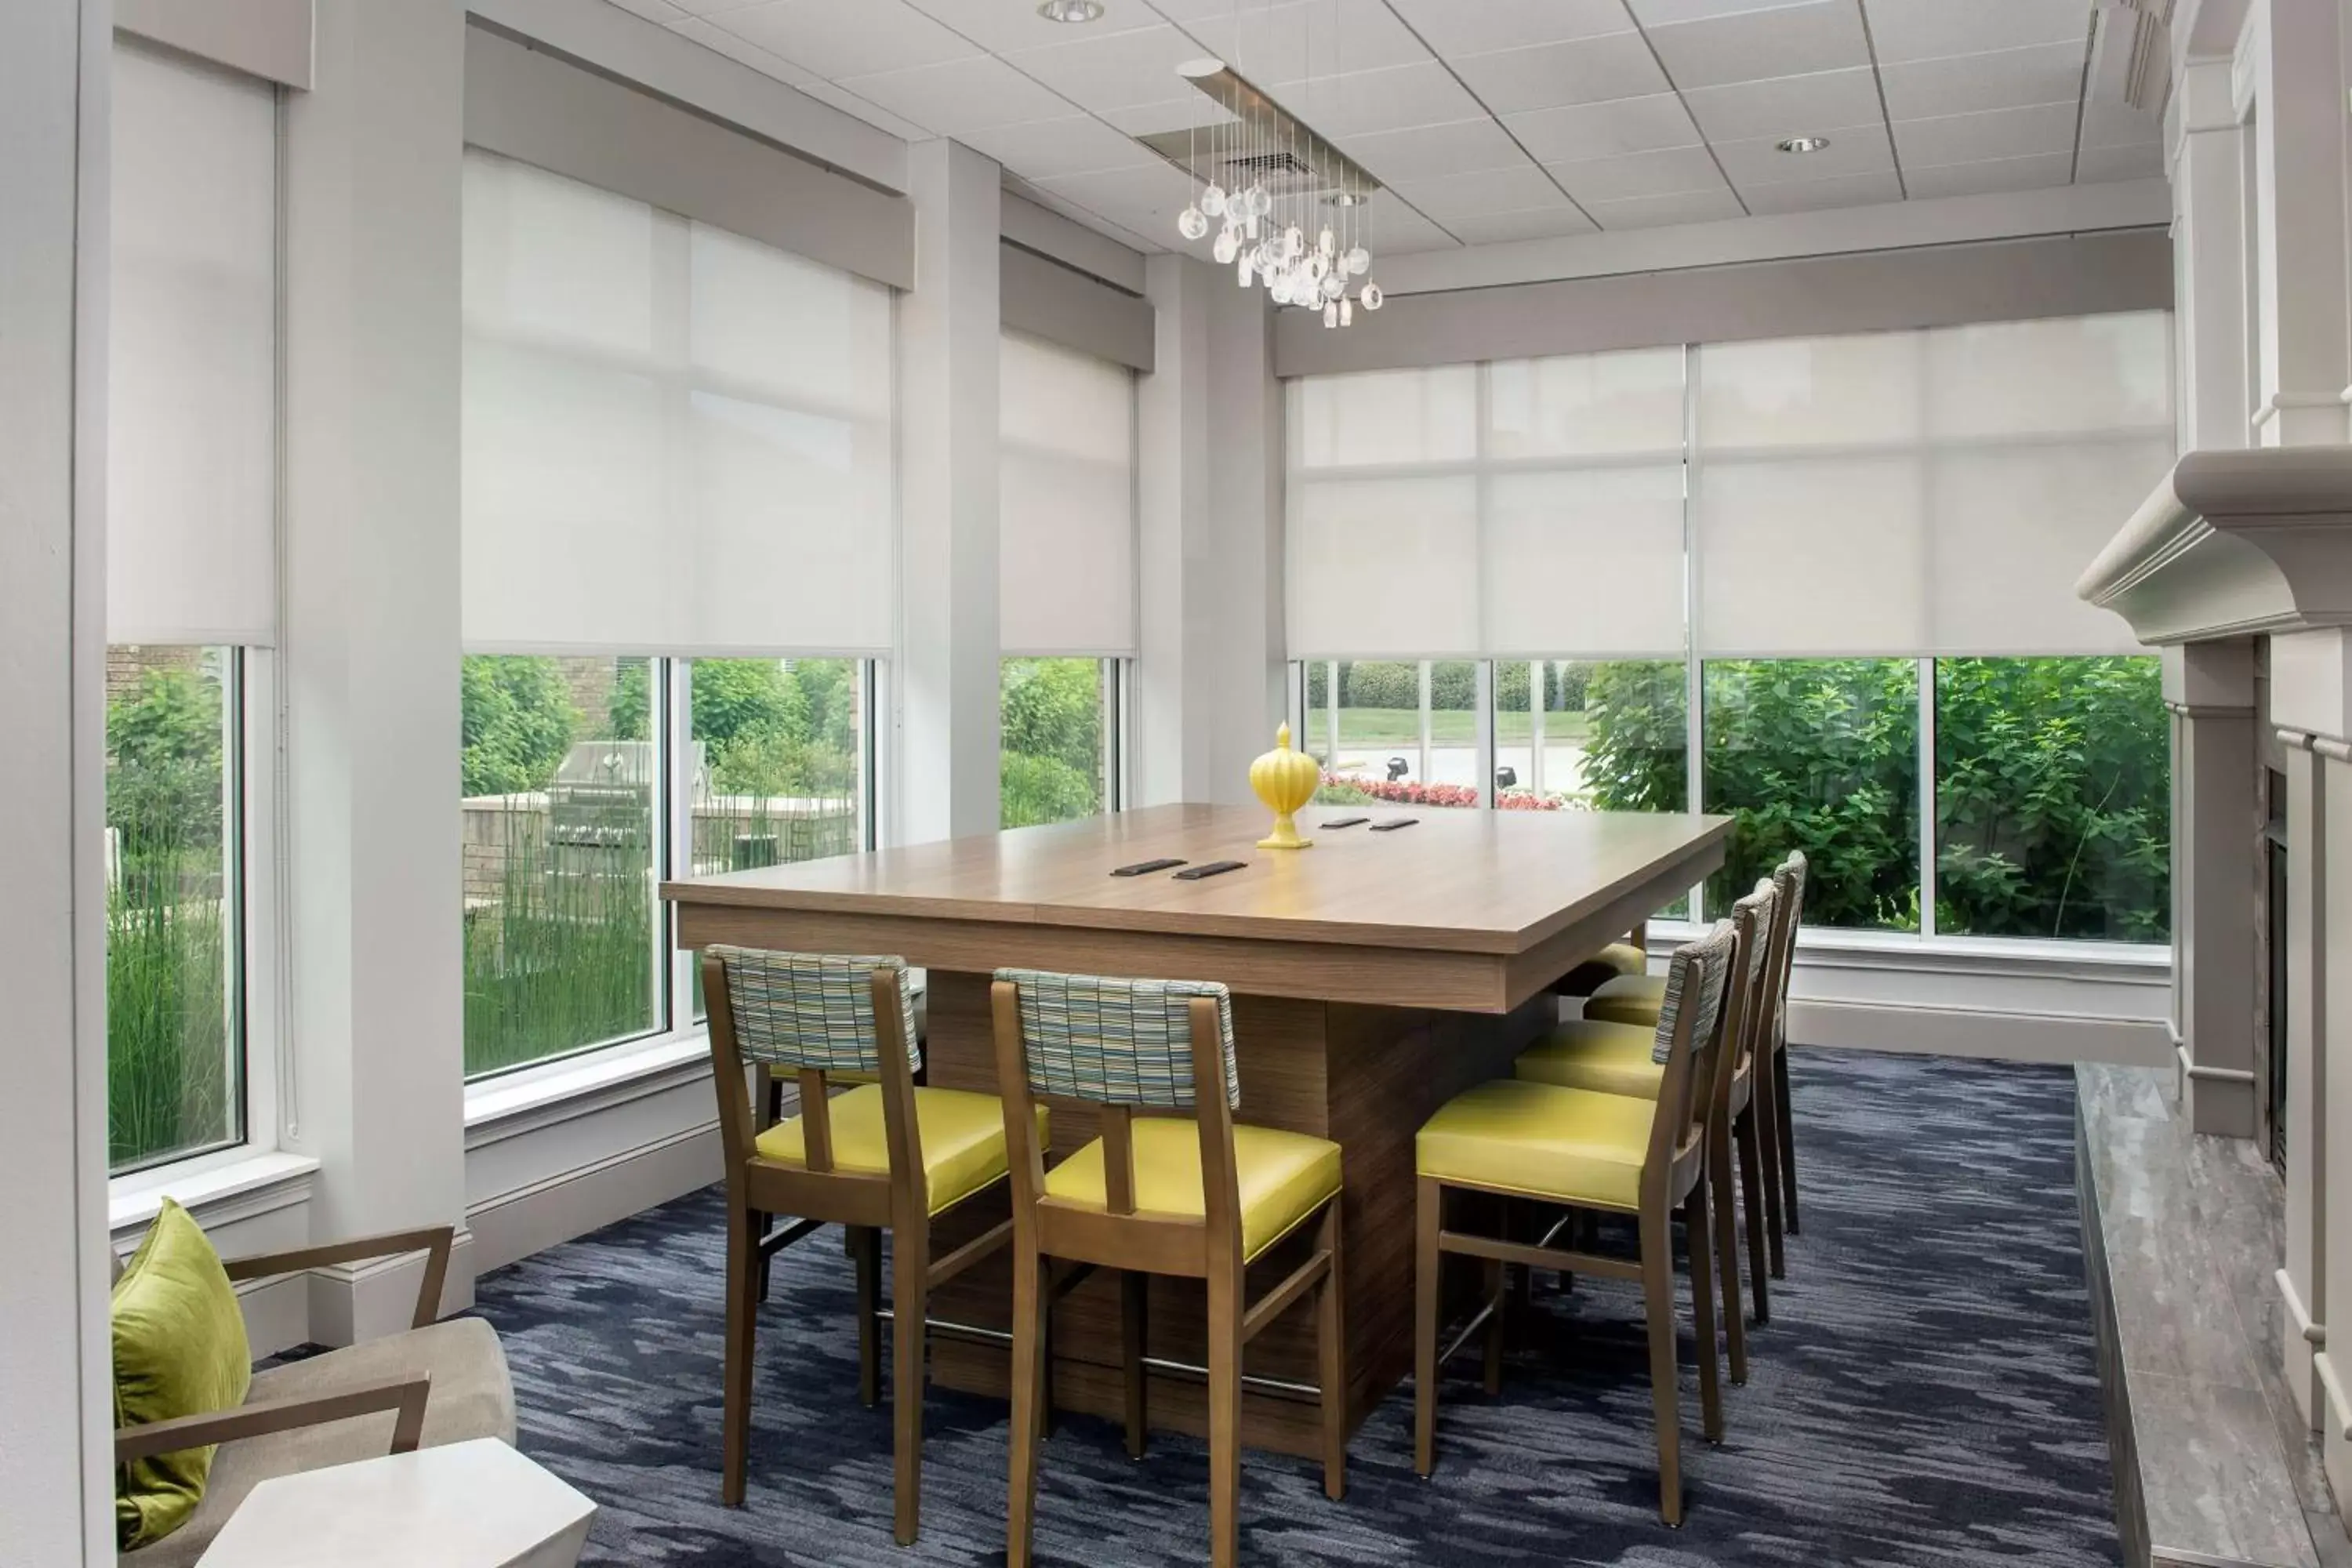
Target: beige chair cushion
472	1397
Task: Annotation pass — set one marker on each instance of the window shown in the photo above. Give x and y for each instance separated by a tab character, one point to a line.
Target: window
1407	732
1600	735
2052	799
175	888
191	595
1821	755
1060	747
562	812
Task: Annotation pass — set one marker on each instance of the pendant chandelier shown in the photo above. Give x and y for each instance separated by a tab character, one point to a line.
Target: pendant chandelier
1291	212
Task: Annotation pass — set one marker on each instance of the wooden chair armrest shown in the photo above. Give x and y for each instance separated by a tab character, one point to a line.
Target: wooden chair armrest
405	1394
434	1241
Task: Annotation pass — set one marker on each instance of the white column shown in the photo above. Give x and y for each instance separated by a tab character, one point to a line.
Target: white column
946	680
2309	892
2214	867
2210	255
2299	240
371	214
55	1420
1211	669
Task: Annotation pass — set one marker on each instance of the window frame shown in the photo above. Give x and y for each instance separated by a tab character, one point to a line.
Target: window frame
680	1032
1927	939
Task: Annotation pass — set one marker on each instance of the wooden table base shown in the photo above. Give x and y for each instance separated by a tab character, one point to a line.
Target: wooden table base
1365	1077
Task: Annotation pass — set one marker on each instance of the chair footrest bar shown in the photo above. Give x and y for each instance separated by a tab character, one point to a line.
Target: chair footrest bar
1280	1387
1275	1301
1478	1321
1465	1245
970	1253
775	1241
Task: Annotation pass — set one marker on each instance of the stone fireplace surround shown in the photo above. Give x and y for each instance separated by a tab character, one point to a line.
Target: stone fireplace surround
2233	546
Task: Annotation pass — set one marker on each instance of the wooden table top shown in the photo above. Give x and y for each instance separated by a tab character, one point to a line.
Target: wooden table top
1466	881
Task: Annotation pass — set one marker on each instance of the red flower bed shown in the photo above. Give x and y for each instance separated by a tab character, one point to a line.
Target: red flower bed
1405	792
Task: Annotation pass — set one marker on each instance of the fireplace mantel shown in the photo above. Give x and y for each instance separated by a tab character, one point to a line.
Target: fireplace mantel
2232	543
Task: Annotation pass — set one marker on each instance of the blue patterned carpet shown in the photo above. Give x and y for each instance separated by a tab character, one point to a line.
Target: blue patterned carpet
1925	1393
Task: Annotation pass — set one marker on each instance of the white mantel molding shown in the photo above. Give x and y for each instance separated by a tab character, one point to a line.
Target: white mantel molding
2232	543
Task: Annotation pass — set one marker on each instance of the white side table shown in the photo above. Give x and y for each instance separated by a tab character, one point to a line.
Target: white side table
464	1505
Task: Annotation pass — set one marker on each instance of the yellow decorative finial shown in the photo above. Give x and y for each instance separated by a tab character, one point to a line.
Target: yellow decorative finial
1285	780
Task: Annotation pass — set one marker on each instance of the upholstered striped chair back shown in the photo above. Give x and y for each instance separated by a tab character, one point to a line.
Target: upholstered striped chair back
1789	881
812	1010
1689	1024
1117	1042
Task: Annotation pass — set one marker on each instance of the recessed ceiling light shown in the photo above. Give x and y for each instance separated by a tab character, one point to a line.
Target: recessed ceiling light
1802	143
1071	10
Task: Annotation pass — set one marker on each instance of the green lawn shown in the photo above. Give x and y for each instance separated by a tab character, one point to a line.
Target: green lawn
1447	727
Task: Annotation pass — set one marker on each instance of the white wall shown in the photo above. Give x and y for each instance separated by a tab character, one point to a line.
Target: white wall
55	1493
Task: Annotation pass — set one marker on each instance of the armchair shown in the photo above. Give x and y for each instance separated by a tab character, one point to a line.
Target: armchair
437	1382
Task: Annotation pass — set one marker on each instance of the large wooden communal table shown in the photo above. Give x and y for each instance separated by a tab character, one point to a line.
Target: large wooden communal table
1374	976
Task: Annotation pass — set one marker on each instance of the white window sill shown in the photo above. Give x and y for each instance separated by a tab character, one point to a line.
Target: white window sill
520	1103
233	1184
1826	948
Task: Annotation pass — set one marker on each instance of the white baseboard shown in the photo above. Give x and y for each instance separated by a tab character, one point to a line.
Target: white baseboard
350	1303
573	1202
1995	1034
276	1314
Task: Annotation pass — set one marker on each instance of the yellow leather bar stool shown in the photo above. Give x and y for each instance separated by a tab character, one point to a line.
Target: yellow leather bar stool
1621	1058
1577	1151
1634	1000
1196	1196
884	1155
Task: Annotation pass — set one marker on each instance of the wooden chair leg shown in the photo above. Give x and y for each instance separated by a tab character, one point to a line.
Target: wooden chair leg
910	1267
1134	1304
1658	1301
767	1260
1756	1185
866	1249
1786	1144
1428	1208
1332	1336
1701	1236
742	1291
1727	1248
1224	1334
1028	1322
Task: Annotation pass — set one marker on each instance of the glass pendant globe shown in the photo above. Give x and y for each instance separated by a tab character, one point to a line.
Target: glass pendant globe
1225	247
1326	242
1334	286
1212	201
1359	261
1372	297
1317	268
1293	242
1332	315
1260	204
1191	223
1347	312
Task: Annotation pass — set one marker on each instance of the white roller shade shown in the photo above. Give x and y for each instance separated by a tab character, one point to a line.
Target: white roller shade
1530	509
1065	514
1922	494
676	439
192	452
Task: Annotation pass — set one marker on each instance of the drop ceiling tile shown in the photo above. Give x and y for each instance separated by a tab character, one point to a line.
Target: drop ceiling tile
1977	138
1653	212
1929	29
712	36
1166	114
1075	144
1535	223
1604	130
662	11
1309	39
1452	27
1095	220
1856	150
1487	190
1971	84
1462	148
1003	26
1992	174
1813	195
2108	125
2094	164
849	102
1400	231
957	97
713	7
836	40
1114	70
1665	13
1146	200
1672	172
1787	105
1587	70
1752	46
1361	102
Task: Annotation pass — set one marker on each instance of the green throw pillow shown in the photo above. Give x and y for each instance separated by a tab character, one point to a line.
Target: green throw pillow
179	1350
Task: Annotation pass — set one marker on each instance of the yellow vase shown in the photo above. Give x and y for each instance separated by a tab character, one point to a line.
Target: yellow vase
1285	780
